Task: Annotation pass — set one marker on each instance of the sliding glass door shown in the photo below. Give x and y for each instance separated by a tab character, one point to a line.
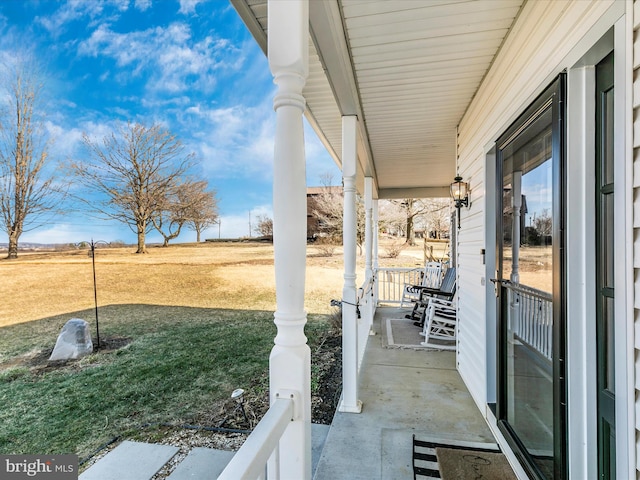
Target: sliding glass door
605	252
530	273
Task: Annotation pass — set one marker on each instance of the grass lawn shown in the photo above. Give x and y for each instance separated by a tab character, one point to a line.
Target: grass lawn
180	366
193	322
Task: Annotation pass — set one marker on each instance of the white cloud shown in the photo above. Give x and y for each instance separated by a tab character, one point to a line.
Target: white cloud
231	226
67	141
68	12
122	5
234	141
319	162
142	5
98	130
76	232
64	141
74	10
189	6
176	61
239	142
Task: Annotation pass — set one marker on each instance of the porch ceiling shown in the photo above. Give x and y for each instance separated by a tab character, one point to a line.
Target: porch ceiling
407	68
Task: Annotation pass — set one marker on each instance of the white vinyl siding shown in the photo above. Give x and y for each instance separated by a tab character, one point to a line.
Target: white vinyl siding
471	294
547	38
542	37
636	219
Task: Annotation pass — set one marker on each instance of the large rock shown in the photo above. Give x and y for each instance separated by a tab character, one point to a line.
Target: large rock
74	341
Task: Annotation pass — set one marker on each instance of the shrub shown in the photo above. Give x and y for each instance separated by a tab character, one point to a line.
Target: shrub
325	247
394	250
335	319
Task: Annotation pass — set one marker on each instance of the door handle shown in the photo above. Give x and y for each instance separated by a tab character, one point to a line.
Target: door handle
496	288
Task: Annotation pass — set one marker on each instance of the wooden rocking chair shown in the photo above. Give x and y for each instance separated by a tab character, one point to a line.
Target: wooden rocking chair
431	278
440	324
446	291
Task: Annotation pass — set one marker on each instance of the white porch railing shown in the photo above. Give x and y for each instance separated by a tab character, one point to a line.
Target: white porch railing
531	316
531	312
367	307
391	282
250	462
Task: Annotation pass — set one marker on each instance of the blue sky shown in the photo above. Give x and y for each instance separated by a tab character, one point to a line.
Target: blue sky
190	65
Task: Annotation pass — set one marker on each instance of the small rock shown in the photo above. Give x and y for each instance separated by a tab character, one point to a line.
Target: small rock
73	342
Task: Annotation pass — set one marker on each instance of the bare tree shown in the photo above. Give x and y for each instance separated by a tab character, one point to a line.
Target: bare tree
172	212
27	192
136	171
543	223
437	219
412	209
202	210
264	227
328	207
391	217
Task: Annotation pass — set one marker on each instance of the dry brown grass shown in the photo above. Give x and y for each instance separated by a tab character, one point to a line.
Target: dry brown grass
209	275
535	267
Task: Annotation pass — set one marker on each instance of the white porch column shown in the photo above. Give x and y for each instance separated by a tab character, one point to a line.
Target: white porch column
350	402
290	360
376	230
368	227
368	244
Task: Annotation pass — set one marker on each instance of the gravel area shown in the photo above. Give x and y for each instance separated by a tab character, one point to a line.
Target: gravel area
188	439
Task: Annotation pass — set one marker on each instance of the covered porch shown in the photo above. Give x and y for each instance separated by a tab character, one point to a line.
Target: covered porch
384	85
406	96
408	392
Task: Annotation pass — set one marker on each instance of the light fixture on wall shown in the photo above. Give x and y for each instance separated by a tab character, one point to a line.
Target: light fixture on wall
460	194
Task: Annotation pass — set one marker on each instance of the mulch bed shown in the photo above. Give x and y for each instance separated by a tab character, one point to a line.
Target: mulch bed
326	360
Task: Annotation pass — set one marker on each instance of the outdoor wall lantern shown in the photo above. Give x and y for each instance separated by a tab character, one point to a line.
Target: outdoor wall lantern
460	194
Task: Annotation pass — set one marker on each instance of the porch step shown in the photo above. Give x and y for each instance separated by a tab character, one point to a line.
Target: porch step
202	463
131	460
141	461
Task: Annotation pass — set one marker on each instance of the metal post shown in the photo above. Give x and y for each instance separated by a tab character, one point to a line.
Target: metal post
95	291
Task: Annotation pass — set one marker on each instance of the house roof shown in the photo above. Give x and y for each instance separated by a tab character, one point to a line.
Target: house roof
408	69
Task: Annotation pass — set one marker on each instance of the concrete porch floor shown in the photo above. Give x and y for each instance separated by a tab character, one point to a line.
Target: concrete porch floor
404	392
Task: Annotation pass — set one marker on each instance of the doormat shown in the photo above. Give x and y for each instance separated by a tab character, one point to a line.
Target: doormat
454	460
456	464
402	333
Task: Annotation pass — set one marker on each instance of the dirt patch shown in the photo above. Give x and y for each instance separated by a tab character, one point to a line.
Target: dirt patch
328	362
38	362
